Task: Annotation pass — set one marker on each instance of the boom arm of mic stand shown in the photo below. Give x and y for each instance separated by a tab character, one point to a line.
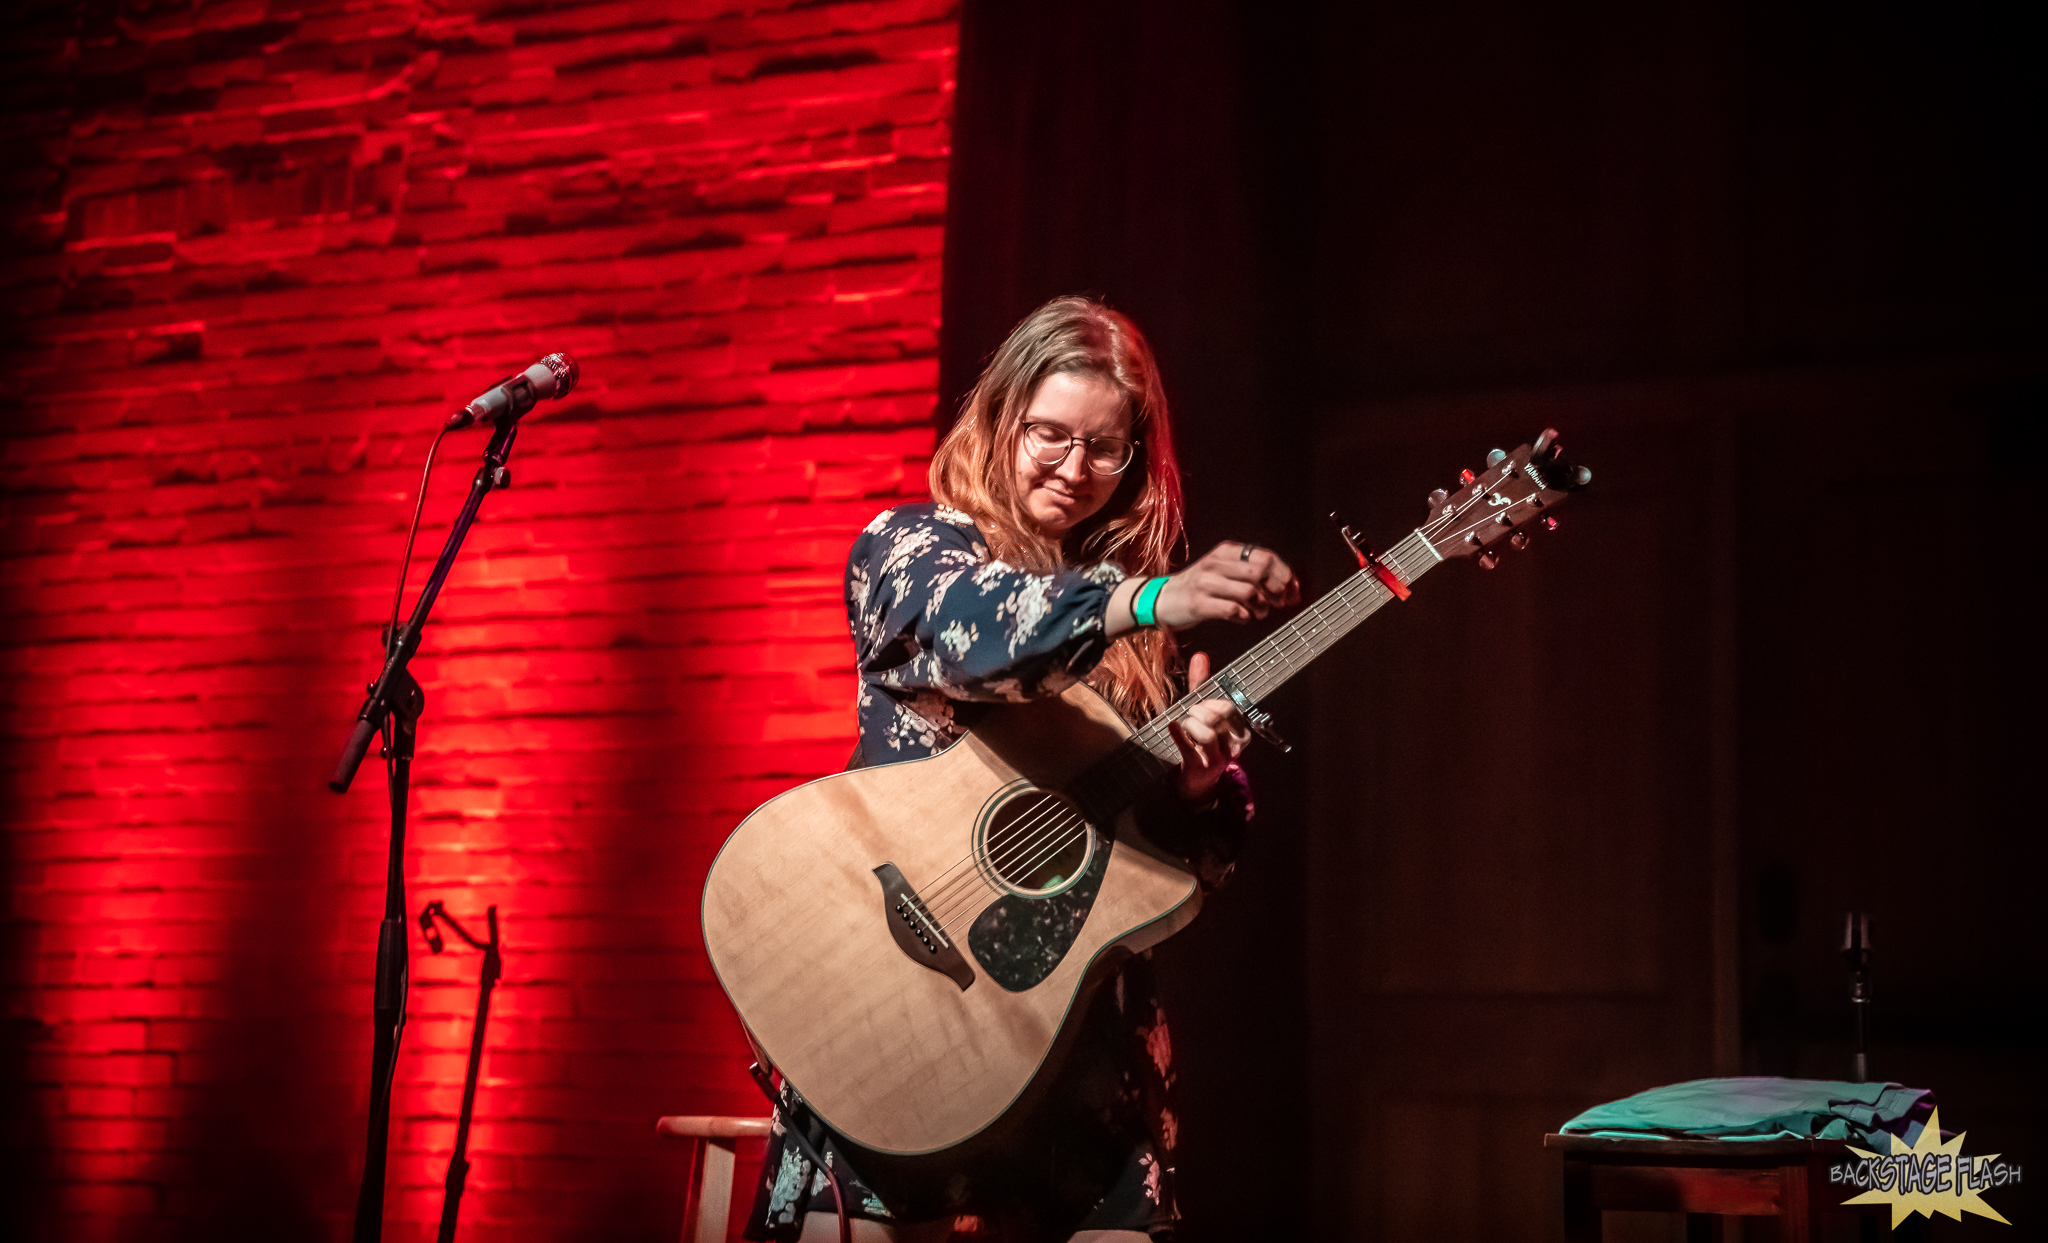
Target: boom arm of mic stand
401	647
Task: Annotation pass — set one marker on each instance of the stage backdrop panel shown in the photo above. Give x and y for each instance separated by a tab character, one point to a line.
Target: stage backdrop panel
257	252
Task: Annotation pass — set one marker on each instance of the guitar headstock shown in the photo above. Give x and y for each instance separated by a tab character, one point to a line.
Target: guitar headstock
1512	493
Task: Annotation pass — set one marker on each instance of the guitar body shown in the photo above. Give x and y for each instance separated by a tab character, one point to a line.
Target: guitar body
887	1047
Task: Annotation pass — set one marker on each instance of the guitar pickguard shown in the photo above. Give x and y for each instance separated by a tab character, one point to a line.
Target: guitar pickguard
1019	940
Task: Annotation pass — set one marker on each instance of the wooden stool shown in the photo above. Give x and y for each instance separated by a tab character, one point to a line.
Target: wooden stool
710	1202
1706	1179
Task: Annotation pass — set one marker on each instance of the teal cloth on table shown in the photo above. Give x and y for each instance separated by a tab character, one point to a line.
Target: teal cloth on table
1762	1107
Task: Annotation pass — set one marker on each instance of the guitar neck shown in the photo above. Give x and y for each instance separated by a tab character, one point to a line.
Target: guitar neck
1150	755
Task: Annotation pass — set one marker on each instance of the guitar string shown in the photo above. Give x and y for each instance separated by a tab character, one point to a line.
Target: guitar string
944	892
1322	630
1177	712
1315	632
1047	840
939	884
1072	821
1275	649
1320	627
1305	639
1049	832
1043	833
1054	817
1044	830
1283	646
1024	837
1043	825
1302	633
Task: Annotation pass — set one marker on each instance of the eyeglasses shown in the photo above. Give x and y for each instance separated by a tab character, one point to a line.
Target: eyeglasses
1049	445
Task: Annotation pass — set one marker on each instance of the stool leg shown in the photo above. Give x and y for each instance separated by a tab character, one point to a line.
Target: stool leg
1795	1206
1581	1217
693	1196
714	1192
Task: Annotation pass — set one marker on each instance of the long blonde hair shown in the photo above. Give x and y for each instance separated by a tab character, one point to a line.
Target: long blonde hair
975	467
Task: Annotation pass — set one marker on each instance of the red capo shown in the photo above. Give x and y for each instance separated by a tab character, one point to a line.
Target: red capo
1368	560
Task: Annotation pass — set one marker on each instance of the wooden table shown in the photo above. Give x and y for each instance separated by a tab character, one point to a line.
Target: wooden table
1706	1179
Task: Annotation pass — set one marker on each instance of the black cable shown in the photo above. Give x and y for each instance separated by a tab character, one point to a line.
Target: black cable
405	562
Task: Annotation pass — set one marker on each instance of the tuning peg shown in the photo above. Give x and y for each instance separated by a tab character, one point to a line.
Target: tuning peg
1437	498
1495	457
1488	559
1520	540
1543	442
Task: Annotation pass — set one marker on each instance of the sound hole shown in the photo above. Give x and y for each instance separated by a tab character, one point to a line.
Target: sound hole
1035	843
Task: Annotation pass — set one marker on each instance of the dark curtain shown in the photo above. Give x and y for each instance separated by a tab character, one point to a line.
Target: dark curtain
1383	226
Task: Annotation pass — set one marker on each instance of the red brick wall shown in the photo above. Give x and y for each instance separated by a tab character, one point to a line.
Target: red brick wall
258	248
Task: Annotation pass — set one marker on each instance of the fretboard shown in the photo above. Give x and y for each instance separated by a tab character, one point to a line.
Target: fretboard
1150	754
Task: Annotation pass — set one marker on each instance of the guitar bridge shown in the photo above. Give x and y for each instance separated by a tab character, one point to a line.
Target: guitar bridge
917	934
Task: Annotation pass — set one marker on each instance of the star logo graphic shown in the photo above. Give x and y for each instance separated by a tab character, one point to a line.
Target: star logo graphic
1928	1176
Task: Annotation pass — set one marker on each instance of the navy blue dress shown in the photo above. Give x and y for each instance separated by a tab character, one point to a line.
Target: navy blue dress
941	629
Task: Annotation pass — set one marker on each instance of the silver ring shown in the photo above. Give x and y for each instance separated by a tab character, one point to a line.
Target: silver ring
1245	553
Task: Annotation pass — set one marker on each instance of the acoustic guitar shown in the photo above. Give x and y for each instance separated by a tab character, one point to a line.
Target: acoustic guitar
905	942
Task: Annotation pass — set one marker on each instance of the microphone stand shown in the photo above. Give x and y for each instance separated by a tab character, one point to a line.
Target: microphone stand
1856	953
458	1164
393	709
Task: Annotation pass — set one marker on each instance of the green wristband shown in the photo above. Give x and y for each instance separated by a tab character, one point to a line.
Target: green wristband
1148	596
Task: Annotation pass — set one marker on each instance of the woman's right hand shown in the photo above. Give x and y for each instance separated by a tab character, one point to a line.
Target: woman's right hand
1233	582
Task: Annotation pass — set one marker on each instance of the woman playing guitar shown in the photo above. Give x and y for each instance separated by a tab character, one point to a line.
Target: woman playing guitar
1042	560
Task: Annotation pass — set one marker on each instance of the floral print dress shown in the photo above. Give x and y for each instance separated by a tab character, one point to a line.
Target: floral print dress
940	631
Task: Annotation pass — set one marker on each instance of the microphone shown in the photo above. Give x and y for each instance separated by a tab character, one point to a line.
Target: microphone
514	395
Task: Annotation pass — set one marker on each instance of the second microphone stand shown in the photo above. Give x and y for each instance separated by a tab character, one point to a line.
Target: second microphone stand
458	1164
1856	953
